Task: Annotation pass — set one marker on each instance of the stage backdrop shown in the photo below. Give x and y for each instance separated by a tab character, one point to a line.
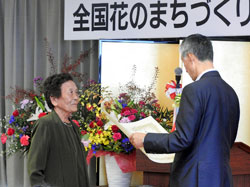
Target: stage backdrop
117	60
232	60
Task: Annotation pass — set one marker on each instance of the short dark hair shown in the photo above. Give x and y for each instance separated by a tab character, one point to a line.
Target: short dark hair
198	45
52	86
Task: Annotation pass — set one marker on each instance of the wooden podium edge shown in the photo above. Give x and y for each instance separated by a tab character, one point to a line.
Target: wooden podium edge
242	146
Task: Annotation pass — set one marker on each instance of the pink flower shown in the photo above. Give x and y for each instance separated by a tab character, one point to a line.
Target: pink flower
76	122
131	118
86	143
125	120
3	138
141	103
10	131
117	136
24	140
126	113
134	111
15	113
143	114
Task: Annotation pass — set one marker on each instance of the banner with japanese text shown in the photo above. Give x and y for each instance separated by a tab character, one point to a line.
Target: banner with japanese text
128	19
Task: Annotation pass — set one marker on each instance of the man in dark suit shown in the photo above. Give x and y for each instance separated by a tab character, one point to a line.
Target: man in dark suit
206	125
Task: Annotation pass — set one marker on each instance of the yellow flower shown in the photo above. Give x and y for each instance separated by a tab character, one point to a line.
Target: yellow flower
104	133
106	142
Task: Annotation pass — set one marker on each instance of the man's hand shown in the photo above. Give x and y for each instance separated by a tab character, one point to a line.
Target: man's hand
137	139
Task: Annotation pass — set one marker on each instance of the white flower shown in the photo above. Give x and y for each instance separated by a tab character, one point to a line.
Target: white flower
34	117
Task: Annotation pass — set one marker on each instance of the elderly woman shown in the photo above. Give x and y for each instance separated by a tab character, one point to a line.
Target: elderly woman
56	156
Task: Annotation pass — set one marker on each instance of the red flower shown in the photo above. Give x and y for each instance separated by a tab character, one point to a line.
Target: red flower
117	136
126	113
83	132
91	125
10	131
3	138
89	107
133	111
141	103
99	123
99	132
125	108
76	122
24	140
114	128
143	114
172	95
15	113
42	114
131	118
32	95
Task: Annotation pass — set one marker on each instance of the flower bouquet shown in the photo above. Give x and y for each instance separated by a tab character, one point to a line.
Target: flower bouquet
98	135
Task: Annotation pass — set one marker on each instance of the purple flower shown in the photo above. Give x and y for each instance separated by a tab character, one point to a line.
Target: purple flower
124	105
24	128
127	145
94	148
12	119
23	103
37	81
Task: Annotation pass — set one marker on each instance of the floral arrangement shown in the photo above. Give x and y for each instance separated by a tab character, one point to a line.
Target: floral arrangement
29	106
100	136
135	104
96	135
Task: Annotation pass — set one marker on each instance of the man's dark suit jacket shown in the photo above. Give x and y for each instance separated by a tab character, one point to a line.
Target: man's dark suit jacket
206	128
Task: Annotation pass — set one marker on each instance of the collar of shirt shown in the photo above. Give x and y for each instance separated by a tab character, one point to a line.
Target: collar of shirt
198	78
